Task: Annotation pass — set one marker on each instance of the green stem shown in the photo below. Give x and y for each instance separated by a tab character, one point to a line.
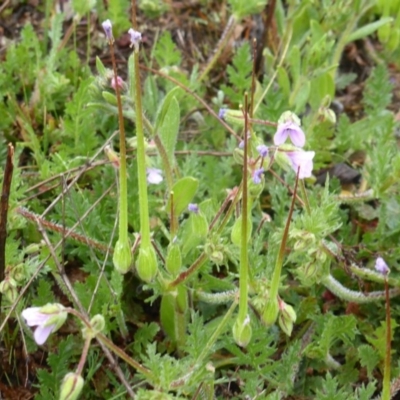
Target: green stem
115	349
244	267
123	187
276	276
346	294
141	161
386	376
180	382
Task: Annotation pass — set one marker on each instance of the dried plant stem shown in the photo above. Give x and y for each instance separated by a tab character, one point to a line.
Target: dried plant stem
5	194
226	34
276	276
63	230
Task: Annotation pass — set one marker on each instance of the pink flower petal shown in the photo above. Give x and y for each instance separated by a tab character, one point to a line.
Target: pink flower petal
302	159
34	317
292	130
42	333
280	135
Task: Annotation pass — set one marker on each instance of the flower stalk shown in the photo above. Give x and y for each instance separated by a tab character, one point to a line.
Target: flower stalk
147	261
122	256
276	276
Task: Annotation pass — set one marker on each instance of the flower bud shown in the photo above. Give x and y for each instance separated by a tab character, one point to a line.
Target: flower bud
146	264
233	117
217	257
18	272
173	262
287	317
33	248
242	332
97	325
9	288
305	240
326	114
71	386
122	258
255	189
271	312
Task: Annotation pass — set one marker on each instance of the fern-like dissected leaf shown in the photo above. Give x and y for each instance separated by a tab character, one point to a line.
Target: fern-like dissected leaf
59	363
378	91
166	52
239	75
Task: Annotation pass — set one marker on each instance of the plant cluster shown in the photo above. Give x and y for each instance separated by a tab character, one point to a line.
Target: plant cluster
237	263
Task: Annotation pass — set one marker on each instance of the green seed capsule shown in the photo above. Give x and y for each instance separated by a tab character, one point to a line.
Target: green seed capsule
242	332
173	262
146	264
122	256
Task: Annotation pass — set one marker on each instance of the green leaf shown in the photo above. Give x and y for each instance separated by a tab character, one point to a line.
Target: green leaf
300	96
195	231
184	191
169	128
284	81
166	52
367	29
321	86
369	358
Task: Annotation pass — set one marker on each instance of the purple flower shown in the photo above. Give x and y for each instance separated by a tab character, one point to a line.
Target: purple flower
107	26
154	176
381	266
292	130
262	150
136	38
302	159
257	175
48	319
194	208
221	113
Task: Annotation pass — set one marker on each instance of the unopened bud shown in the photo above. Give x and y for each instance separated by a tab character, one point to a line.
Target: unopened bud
71	386
122	258
33	248
146	264
326	114
233	117
289	116
287	317
9	288
18	272
242	332
304	240
112	156
97	325
118	82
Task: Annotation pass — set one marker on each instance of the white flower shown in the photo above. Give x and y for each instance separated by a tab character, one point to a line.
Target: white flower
154	176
